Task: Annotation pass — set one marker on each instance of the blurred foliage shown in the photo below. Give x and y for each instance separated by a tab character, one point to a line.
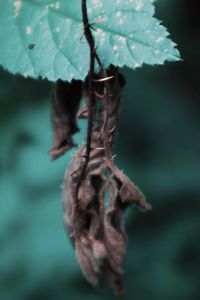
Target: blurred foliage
157	145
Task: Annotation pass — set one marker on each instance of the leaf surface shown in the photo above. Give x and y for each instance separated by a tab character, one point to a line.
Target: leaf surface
45	38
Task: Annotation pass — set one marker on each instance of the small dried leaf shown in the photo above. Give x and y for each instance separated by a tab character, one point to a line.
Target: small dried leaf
66	100
85	260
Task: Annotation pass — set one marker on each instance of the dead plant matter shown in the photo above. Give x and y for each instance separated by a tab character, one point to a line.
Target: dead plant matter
96	229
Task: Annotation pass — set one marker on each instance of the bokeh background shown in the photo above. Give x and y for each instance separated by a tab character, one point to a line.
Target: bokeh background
158	146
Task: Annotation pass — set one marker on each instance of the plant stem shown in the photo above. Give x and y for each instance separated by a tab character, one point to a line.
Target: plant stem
91	115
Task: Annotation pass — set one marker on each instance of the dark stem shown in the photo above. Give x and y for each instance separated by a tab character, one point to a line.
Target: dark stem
92	100
90	40
93	56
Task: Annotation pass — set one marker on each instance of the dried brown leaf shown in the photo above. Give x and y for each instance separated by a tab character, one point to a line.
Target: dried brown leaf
66	100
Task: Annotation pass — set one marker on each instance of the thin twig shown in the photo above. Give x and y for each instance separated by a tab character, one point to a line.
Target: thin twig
91	114
92	100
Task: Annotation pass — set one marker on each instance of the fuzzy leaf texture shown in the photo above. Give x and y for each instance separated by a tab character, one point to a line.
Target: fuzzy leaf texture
42	38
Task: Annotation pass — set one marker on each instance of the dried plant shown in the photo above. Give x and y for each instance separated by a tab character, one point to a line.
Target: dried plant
96	229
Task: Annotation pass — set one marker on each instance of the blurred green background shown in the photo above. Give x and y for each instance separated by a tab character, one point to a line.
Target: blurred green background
158	146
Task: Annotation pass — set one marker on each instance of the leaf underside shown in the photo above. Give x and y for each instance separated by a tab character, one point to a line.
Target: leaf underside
42	38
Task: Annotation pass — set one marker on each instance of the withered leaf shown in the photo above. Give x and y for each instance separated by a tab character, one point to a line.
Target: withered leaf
65	104
96	230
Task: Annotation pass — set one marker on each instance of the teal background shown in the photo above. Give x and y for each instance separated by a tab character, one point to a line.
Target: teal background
157	145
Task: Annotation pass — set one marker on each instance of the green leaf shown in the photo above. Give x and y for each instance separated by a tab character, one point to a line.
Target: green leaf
45	38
